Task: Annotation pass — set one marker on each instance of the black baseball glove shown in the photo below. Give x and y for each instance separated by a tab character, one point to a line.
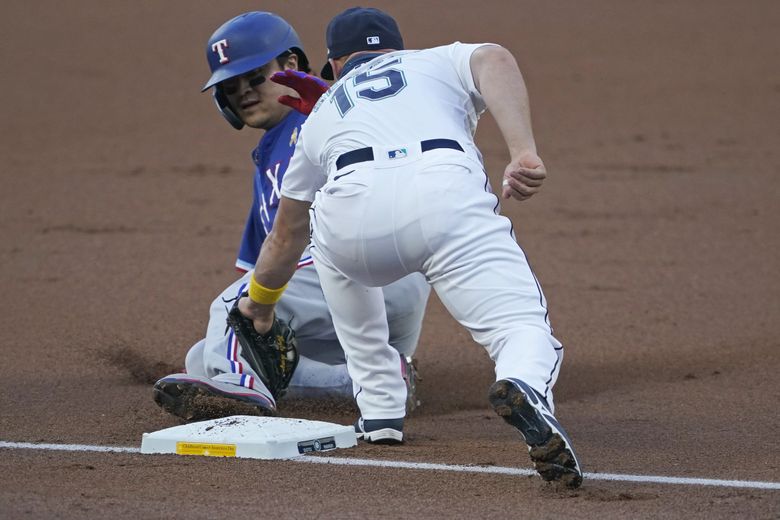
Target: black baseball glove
273	355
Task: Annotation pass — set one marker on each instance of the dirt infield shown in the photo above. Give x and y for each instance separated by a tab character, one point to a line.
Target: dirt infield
124	194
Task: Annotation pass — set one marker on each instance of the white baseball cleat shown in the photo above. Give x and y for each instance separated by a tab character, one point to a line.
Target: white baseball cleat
548	445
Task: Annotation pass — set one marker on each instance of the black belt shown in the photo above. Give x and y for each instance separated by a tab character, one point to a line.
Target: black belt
367	154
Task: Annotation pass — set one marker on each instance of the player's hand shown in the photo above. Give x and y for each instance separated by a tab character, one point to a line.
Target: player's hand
262	316
310	88
523	177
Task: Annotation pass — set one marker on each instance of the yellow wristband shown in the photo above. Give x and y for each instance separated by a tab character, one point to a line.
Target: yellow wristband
264	295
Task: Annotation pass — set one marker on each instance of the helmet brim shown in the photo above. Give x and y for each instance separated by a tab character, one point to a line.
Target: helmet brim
236	68
327	71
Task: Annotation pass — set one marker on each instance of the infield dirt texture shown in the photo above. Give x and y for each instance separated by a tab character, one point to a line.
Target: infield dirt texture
655	238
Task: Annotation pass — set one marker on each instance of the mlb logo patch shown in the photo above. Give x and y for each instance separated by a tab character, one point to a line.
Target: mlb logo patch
372	40
397	154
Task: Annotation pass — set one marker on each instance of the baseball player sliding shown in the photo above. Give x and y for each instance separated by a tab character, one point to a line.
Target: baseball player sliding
387	174
221	377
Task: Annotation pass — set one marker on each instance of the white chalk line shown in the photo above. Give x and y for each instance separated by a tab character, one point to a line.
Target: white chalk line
500	470
67	447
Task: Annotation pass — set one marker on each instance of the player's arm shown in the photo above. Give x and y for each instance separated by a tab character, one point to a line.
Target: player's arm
278	261
500	82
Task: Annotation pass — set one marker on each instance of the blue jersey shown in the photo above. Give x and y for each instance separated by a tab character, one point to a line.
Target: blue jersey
271	158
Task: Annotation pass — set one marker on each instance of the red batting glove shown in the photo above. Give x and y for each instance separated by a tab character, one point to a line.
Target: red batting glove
310	88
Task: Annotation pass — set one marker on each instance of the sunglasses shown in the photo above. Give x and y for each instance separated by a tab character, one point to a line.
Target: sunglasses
254	78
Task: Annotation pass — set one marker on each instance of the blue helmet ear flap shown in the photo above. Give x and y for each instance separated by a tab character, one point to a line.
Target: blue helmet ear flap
226	110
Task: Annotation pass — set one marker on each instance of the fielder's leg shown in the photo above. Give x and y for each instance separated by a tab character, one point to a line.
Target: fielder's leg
322	371
359	317
483	278
405	301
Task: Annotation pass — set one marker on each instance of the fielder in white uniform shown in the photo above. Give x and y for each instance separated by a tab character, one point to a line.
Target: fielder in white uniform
388	172
218	380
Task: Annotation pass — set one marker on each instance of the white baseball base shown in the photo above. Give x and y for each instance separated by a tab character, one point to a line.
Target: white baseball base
250	437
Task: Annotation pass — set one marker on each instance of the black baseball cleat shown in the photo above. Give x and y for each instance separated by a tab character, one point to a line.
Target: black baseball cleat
196	398
380	431
549	446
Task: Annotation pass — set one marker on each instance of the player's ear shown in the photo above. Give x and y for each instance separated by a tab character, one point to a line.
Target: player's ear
335	65
291	63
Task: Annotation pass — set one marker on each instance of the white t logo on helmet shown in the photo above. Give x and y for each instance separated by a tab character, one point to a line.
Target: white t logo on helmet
219	47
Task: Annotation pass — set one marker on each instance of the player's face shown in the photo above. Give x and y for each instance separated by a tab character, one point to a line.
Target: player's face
254	97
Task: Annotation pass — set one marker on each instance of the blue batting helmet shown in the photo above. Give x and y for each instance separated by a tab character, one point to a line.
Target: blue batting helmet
247	42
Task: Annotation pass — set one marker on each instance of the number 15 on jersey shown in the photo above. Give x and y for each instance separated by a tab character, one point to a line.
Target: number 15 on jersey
375	84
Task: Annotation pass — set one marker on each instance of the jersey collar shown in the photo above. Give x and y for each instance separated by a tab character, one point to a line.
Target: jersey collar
358	60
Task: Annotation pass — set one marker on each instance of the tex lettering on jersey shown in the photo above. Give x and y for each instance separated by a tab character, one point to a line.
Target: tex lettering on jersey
271	158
